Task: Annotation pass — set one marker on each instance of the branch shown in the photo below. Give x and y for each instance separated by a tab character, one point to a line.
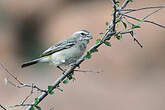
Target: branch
133	36
111	31
151	13
92	71
28	96
138	9
71	69
147	21
114	15
11	74
22	105
20	84
107	36
125	4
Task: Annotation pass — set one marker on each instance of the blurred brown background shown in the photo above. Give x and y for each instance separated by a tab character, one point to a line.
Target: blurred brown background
133	78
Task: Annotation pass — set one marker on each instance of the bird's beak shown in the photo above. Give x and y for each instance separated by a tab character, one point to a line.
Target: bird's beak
89	36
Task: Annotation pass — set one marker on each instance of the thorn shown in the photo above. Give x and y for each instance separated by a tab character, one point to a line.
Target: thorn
132	34
6	81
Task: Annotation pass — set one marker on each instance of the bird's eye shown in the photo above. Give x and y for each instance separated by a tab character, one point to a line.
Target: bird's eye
82	34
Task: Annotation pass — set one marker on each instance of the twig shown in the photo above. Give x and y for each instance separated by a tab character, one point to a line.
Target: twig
151	13
3	107
92	71
138	9
132	34
122	7
125	32
11	74
125	4
130	24
147	21
51	108
114	15
21	105
20	84
27	96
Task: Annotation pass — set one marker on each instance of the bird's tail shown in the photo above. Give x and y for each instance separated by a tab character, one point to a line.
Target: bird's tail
30	63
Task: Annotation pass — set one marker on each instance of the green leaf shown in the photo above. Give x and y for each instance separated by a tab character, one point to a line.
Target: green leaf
50	88
106	23
36	101
130	0
88	56
140	22
107	43
38	108
107	29
117	19
72	73
98	41
125	25
135	26
110	26
108	38
101	33
66	81
32	108
94	50
117	5
51	92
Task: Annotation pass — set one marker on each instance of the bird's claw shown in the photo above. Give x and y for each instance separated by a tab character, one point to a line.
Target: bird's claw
77	65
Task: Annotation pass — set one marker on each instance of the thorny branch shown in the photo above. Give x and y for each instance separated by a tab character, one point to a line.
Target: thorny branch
28	95
108	35
32	86
20	85
125	16
151	13
147	21
111	31
144	8
114	15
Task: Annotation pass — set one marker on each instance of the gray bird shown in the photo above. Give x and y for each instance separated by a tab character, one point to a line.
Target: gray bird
65	52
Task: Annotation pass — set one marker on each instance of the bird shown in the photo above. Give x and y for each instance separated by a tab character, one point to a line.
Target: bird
65	52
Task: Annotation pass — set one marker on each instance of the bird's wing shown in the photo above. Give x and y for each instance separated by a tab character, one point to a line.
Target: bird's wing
65	44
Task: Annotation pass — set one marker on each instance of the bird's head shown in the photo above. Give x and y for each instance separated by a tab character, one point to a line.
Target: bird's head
83	35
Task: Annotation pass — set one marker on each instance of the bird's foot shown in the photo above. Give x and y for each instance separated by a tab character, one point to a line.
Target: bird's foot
74	64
